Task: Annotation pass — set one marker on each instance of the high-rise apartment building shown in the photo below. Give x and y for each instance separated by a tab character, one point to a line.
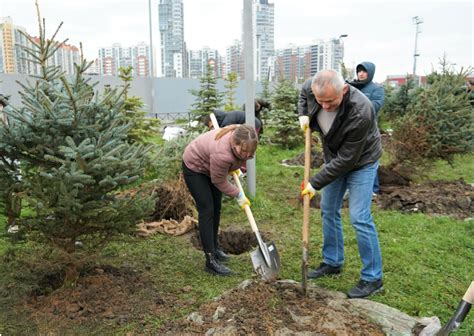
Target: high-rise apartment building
110	59
141	55
199	59
234	59
172	48
264	25
116	56
297	63
337	54
65	57
290	62
14	59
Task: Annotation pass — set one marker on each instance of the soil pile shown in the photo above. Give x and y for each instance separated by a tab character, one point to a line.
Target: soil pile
391	176
316	160
173	201
102	293
259	308
453	198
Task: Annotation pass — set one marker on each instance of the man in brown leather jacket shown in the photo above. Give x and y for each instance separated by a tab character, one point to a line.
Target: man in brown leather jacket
345	119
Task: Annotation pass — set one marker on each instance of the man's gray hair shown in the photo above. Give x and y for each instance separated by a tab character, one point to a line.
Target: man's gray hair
327	77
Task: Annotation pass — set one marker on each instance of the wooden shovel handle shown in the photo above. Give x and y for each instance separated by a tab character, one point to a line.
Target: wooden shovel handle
306	198
250	217
253	224
469	296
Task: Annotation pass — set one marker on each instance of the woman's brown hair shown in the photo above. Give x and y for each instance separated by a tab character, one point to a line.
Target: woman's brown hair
244	136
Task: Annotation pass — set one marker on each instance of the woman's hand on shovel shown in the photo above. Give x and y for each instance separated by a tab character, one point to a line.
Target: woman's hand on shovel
242	200
238	172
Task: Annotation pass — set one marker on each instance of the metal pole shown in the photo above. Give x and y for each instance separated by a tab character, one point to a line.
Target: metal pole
152	67
249	87
417	21
342	66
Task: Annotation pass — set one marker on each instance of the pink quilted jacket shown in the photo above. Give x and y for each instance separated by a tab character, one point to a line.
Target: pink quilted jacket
213	158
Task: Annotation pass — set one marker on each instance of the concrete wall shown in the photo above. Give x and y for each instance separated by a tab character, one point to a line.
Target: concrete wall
171	97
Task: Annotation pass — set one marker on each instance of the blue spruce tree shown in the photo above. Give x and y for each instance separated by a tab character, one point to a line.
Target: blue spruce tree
72	147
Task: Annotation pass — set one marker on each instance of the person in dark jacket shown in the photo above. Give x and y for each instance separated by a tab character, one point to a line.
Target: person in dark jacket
364	82
226	118
376	94
260	105
345	119
207	161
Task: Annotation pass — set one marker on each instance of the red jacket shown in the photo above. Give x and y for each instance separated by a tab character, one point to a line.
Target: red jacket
213	158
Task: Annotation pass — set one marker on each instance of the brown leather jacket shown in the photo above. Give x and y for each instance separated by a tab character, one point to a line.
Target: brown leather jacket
353	140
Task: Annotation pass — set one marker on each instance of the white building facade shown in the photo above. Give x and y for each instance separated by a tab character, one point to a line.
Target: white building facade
172	45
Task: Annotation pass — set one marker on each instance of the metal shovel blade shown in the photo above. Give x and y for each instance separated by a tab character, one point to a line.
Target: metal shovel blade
270	270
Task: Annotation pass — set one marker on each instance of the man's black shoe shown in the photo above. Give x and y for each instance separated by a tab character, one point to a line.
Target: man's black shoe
365	288
221	255
324	270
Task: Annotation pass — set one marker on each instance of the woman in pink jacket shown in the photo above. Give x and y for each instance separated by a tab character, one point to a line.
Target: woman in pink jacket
207	161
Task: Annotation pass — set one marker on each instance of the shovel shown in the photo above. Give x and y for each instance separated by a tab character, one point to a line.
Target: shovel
306	201
461	312
265	259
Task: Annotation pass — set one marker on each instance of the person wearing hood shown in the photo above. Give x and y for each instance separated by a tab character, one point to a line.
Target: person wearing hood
375	93
364	82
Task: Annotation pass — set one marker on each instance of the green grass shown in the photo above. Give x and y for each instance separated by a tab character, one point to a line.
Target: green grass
428	261
461	167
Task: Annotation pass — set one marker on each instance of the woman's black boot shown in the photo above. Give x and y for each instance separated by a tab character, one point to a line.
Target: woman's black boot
214	266
221	255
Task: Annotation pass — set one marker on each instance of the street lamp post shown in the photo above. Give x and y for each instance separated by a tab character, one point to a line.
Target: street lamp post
249	86
152	64
416	21
342	65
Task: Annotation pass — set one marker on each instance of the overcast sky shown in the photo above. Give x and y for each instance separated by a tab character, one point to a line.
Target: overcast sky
378	31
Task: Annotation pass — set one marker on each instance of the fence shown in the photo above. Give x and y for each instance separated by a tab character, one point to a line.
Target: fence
163	97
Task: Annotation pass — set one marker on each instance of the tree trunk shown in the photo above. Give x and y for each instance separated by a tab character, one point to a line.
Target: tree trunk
72	266
13	208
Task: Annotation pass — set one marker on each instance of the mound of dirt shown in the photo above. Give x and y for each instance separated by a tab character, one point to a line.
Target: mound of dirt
259	308
173	201
390	176
102	293
316	160
453	198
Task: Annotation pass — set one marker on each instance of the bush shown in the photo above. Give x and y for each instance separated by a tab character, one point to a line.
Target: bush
439	124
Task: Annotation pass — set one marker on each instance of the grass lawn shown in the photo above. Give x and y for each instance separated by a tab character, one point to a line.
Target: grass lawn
428	261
